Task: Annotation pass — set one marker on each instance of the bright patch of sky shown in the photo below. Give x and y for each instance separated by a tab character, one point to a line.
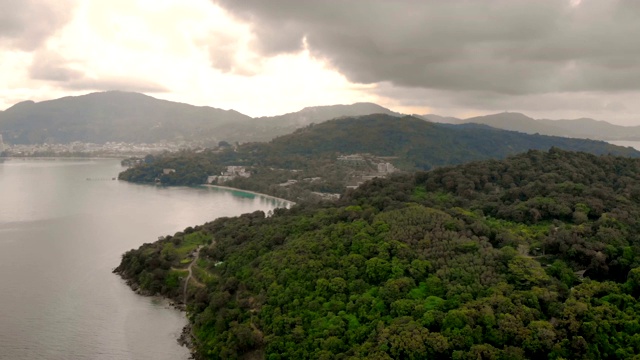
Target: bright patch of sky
547	59
181	50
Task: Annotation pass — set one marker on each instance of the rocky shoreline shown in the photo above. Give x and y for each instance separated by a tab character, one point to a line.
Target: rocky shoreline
186	338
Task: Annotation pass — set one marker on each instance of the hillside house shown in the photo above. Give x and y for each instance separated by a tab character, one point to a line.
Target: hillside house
237	171
386	168
231	173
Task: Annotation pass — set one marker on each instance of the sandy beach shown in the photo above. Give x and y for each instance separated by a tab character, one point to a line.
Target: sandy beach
289	202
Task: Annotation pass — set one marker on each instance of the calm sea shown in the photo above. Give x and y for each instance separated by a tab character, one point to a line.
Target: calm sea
60	237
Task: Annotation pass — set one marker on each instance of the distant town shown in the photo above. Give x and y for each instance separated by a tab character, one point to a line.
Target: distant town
81	149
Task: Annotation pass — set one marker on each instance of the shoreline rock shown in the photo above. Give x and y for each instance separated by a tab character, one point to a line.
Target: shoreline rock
186	337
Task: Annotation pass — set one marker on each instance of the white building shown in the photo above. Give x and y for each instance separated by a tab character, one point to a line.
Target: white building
237	171
231	173
386	168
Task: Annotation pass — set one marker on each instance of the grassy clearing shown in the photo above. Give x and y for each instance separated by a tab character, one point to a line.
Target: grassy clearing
191	242
202	275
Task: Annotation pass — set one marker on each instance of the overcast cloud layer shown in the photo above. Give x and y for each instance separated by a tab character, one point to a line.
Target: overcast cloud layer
26	24
489	49
546	58
504	46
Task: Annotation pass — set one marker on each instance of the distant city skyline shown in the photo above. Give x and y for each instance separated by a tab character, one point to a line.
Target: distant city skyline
553	59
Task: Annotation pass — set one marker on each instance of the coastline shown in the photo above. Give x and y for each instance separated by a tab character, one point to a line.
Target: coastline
187	337
61	158
288	202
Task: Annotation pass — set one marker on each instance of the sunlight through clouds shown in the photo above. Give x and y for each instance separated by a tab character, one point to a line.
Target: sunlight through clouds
547	59
189	51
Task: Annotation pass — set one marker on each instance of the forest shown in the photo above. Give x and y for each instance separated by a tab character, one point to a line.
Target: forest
413	144
533	256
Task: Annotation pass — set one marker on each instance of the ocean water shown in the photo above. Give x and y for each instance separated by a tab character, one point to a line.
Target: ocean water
60	237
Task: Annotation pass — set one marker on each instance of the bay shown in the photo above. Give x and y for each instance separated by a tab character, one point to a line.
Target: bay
60	237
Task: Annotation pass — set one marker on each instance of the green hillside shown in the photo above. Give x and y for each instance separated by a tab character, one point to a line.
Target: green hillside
269	127
422	144
409	143
110	116
536	256
117	116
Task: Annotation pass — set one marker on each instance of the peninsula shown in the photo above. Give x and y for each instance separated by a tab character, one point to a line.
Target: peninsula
533	256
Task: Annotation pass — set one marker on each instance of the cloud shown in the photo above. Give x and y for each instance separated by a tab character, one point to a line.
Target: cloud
50	66
615	106
222	51
114	83
27	24
506	47
618	108
228	53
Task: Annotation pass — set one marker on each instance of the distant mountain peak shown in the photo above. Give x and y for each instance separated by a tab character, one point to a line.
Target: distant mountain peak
21	104
114	116
439	119
117	115
503	115
356	105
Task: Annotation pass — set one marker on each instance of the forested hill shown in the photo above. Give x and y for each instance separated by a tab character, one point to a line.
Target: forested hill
478	261
423	145
133	117
111	116
409	143
269	127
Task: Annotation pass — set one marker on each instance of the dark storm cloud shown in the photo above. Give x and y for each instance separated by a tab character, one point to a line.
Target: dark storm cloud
508	47
488	102
26	24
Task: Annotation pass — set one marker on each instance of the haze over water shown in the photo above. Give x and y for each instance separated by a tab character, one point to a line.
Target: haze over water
633	144
60	237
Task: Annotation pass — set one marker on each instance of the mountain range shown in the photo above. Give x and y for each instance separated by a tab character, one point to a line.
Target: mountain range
110	116
424	145
269	127
407	142
133	117
585	128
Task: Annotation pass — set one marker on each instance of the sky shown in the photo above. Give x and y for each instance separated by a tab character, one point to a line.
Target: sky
557	59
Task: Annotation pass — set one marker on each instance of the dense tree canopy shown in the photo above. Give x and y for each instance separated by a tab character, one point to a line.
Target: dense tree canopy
535	256
411	143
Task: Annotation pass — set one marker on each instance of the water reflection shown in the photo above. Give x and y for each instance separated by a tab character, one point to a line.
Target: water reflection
60	237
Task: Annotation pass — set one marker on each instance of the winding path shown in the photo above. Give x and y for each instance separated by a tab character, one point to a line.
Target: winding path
186	281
